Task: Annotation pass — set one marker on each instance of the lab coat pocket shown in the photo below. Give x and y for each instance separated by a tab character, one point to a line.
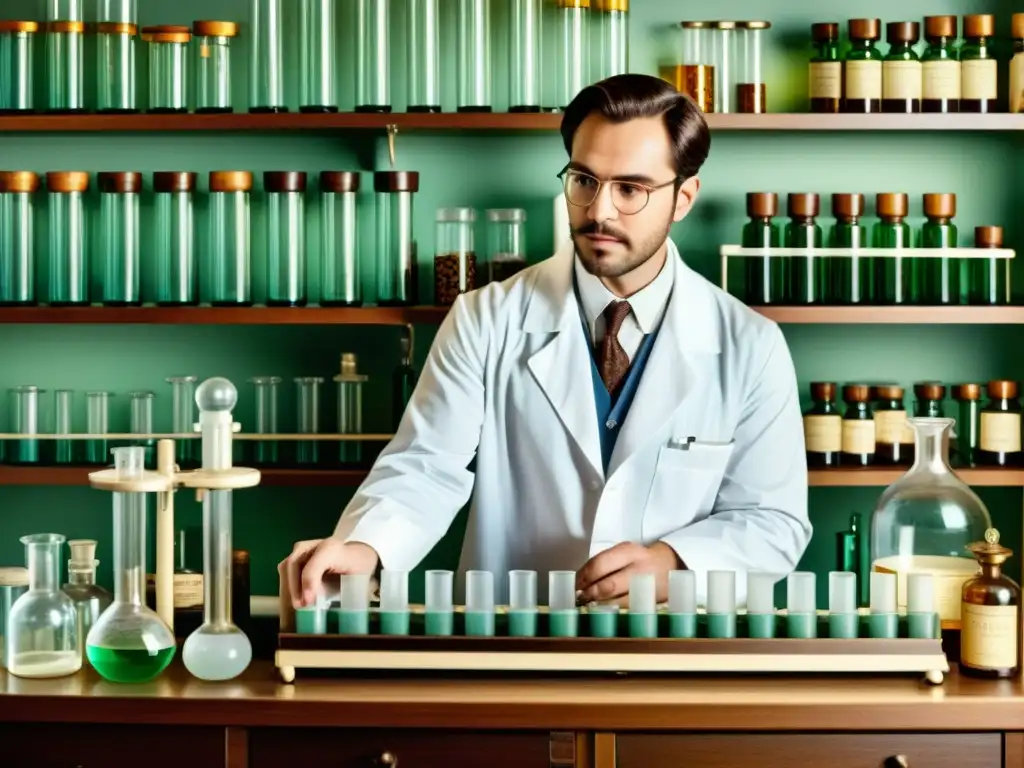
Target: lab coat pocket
684	487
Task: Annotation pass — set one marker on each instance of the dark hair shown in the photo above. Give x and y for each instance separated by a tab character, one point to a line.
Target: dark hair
627	97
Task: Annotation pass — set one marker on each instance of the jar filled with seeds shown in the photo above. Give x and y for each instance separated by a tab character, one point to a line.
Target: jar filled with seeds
506	242
455	255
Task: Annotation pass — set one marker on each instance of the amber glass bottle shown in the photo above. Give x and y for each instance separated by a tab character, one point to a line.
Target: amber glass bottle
892	273
990	634
823	426
999	441
858	427
810	273
894	439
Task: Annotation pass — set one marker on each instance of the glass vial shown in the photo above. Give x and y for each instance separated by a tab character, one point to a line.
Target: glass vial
397	275
318	90
723	55
17	41
1016	103
68	279
183	418
901	68
610	41
286	238
373	54
230	275
863	68
140	421
825	69
97	422
213	65
455	257
524	55
506	243
174	239
894	438
751	92
17	244
168	68
990	637
24	415
115	43
968	398
934	280
307	403
340	280
694	71
929	402
940	66
999	435
810	272
350	408
423	56
858	440
979	71
892	273
265	389
119	238
473	55
853	276
65	33
767	276
988	279
63	404
823	426
266	57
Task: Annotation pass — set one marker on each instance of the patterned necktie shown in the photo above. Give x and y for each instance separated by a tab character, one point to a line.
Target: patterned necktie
613	362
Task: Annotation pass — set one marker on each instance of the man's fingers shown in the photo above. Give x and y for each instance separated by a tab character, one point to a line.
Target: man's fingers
319	562
605	563
614	586
293	567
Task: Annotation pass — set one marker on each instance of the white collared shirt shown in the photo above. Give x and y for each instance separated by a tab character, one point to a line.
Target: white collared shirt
648	305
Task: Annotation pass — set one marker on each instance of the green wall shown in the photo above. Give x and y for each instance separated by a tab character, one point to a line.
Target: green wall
501	170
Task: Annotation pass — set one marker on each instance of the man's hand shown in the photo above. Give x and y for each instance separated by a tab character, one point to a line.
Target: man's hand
605	577
304	569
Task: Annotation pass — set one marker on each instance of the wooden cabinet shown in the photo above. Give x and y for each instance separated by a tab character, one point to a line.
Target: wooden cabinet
868	750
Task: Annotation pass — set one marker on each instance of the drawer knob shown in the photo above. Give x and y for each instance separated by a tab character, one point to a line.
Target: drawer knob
896	761
387	760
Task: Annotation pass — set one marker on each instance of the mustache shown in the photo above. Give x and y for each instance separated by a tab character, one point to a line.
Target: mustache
601	230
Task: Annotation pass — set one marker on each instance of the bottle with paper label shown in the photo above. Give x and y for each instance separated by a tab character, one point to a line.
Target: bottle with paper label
894	439
979	71
862	68
1016	102
825	69
901	68
858	427
990	634
999	439
940	66
823	426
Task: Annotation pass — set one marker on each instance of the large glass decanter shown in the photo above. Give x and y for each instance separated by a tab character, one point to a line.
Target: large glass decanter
924	522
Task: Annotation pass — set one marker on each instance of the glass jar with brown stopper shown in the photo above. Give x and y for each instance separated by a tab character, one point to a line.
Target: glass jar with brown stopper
940	66
901	68
858	427
979	72
862	69
892	273
935	280
853	276
988	279
825	69
823	426
999	435
894	439
929	397
768	275
810	274
990	633
968	398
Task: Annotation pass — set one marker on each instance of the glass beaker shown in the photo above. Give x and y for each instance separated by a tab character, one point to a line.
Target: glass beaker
140	421
693	70
63	450
218	650
339	243
90	598
373	51
286	238
42	628
473	56
307	403
213	65
97	422
168	68
129	643
183	392
24	405
524	55
751	95
612	32
318	55
68	280
16	44
423	56
266	60
174	239
119	238
17	246
455	255
723	44
230	276
397	280
13	584
350	408
115	42
265	421
506	242
65	31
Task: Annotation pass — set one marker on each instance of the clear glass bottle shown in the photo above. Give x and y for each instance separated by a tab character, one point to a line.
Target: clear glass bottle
350	408
373	56
610	39
852	278
90	598
506	243
979	70
473	55
17	243
17	43
183	420
42	627
140	422
397	273
691	69
940	66
213	65
307	406
825	69
119	238
13	584
24	420
722	35
901	68
455	255
929	400
286	238
524	55
68	279
340	278
767	276
987	281
63	450
97	422
230	234
892	273
266	57
751	90
934	280
924	521
823	426
168	68
811	273
968	398
858	442
423	56
174	256
999	441
894	439
65	37
1016	103
318	90
265	452
990	635
403	378
115	43
862	68
574	33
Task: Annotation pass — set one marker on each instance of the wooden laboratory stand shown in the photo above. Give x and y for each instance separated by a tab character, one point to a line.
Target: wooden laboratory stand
539	722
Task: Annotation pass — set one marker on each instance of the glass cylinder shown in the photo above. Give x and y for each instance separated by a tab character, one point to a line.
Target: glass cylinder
767	276
265	418
17	244
968	397
230	275
373	54
63	403
979	68
266	57
42	628
115	43
724	56
350	408
168	68
473	55
24	420
318	91
423	56
286	238
174	256
853	277
892	273
307	405
611	52
987	280
397	278
119	238
935	280
506	242
455	255
811	273
68	282
213	65
16	63
340	275
751	92
693	70
183	420
141	421
825	69
65	33
97	422
524	55
13	584
574	46
90	599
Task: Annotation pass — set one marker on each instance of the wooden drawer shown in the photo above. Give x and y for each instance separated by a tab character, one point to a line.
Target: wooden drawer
362	748
869	750
34	745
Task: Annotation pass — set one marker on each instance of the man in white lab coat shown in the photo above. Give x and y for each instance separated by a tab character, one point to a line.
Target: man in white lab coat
625	414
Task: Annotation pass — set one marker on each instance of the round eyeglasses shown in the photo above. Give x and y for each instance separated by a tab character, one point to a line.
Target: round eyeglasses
628	197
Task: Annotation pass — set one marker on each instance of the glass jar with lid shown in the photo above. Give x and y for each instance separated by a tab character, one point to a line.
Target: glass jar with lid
119	238
473	56
340	275
373	55
65	33
17	41
168	67
751	92
455	255
213	65
423	56
230	237
115	41
611	56
574	39
397	274
286	238
266	57
174	238
17	246
68	278
318	55
524	55
506	242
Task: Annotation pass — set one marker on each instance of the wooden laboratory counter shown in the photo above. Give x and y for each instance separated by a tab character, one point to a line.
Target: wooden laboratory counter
632	722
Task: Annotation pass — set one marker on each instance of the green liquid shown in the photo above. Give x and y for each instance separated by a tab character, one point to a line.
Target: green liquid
135	665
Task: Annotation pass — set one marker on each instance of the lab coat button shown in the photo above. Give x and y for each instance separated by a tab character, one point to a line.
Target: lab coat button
610	423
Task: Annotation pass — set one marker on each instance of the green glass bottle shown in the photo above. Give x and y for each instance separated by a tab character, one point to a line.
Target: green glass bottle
979	71
825	69
929	399
852	277
858	427
940	67
892	276
862	69
987	280
901	68
936	280
894	439
968	399
767	276
810	280
823	426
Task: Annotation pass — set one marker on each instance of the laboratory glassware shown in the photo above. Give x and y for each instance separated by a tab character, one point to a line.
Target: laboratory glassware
611	51
24	410
63	450
286	238
751	95
317	87
213	65
174	255
97	415
68	279
141	421
340	279
13	584
17	42
17	246
90	598
350	408
230	275
265	421
115	70
266	61
423	56
373	51
307	401
473	56
183	389
524	55
119	238
506	242
574	46
397	279
454	255
168	68
65	33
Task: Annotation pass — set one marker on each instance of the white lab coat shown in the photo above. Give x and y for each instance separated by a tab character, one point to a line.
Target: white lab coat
508	381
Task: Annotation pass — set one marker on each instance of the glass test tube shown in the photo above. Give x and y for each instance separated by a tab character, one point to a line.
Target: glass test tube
611	56
265	421
213	65
397	280
318	91
439	588
266	60
643	618
394	602
115	42
350	408
522	590
423	56
562	590
17	244
843	618
473	56
524	55
882	598
230	276
340	279
506	242
140	420
760	593
16	46
63	450
721	592
479	603
723	43
65	30
168	68
682	592
373	52
24	410
68	282
751	95
307	401
119	238
183	417
286	238
97	415
574	45
354	601
174	255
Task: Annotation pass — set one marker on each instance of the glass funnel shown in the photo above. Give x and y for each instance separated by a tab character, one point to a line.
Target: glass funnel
42	629
129	643
924	522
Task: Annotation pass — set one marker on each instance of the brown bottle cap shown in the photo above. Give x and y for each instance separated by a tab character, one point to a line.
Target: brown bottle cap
967	392
940	26
940	205
891	205
825	31
902	31
847	206
18	26
1017	25
930	390
166	33
865	29
823	390
18	181
116	28
889	392
339	181
284	181
988	237
396	181
120	182
1001	388
762	204
67	181
215	29
607	6
803	204
856	393
239	556
174	181
979	25
230	181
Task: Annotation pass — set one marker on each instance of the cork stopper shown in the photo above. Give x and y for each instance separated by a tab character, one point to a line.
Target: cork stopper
990	551
120	182
339	181
847	206
857	393
7	27
803	205
940	26
19	181
67	181
396	181
825	32
1002	389
889	392
284	181
215	29
988	237
902	32
1017	26
350	369
940	205
930	390
166	33
608	6
967	392
979	25
823	390
762	205
14	576
239	556
83	555
892	205
865	29
230	181
174	181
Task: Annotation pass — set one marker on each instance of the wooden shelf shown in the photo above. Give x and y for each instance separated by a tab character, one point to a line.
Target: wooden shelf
839	315
225	315
851	477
